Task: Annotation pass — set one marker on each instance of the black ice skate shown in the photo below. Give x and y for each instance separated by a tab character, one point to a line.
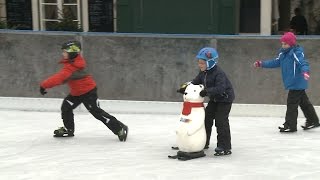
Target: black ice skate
221	151
123	133
63	132
308	126
287	129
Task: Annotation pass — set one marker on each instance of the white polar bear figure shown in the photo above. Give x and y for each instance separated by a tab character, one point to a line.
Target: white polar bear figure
191	133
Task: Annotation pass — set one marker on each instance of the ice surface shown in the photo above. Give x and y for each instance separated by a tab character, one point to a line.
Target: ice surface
260	152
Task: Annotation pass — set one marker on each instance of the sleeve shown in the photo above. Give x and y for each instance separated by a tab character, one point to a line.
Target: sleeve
219	86
197	80
305	26
293	23
58	78
301	62
273	63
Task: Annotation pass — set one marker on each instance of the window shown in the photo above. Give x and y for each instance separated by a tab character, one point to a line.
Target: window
53	11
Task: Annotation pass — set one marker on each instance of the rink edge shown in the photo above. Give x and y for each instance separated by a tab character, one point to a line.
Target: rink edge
138	107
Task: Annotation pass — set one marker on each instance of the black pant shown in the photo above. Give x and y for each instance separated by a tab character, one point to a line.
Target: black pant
299	98
90	101
220	112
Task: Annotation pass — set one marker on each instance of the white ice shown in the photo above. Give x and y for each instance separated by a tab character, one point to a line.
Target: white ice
260	152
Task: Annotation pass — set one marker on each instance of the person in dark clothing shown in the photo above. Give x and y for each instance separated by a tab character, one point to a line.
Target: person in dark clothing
220	92
295	75
82	90
298	23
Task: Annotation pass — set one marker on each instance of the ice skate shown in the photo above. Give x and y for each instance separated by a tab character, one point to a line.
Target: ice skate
221	151
308	126
63	132
286	129
123	133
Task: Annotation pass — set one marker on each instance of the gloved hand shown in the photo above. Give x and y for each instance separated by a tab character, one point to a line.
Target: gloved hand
183	87
43	91
306	76
181	90
203	93
257	64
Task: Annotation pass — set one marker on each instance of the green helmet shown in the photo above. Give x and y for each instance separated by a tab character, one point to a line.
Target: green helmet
72	48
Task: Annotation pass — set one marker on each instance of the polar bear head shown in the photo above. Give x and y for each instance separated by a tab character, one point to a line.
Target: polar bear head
192	93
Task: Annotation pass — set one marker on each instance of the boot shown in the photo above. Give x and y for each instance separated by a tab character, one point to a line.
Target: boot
221	151
63	132
310	125
286	128
123	133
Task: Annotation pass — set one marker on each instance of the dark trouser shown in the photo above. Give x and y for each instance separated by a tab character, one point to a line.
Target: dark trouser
90	101
299	98
220	112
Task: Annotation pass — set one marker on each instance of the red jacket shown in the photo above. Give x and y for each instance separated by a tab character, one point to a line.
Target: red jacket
74	74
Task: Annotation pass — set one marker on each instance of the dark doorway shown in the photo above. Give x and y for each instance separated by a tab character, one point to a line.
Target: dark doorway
249	16
285	15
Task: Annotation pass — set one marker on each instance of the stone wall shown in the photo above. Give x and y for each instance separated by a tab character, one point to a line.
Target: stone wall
147	66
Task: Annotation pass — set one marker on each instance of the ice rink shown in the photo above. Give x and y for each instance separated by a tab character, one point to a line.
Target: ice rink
260	152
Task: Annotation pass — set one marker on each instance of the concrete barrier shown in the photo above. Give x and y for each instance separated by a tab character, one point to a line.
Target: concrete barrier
148	67
139	107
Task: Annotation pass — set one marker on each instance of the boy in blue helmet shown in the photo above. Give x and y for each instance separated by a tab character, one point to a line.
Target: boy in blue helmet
220	92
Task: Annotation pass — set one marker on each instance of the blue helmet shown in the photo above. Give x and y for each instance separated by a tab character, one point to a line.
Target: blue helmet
210	55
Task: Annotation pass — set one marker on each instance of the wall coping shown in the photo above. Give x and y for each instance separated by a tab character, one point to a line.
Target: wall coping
138	107
154	35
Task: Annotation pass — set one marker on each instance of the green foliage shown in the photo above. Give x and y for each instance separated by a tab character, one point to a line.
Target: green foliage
65	24
3	25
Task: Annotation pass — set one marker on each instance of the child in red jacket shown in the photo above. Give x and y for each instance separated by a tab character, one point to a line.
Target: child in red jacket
82	90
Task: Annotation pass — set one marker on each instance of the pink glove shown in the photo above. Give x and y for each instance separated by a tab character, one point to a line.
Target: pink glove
306	76
257	64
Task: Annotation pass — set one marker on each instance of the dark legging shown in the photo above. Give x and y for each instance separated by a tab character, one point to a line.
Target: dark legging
90	101
219	111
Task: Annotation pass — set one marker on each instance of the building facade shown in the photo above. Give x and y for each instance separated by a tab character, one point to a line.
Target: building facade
264	17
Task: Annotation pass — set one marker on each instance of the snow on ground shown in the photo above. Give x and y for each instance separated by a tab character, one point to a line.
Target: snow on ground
260	152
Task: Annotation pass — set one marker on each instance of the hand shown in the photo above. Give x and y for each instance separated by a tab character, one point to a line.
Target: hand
203	93
181	90
306	76
257	64
43	91
183	87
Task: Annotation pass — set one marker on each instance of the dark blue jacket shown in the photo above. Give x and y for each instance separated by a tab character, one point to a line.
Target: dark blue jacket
217	84
293	65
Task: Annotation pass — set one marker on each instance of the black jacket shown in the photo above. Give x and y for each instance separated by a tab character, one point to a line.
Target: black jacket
217	84
299	24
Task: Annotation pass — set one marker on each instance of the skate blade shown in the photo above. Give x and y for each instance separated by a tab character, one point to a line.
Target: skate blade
307	128
62	136
222	153
284	131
